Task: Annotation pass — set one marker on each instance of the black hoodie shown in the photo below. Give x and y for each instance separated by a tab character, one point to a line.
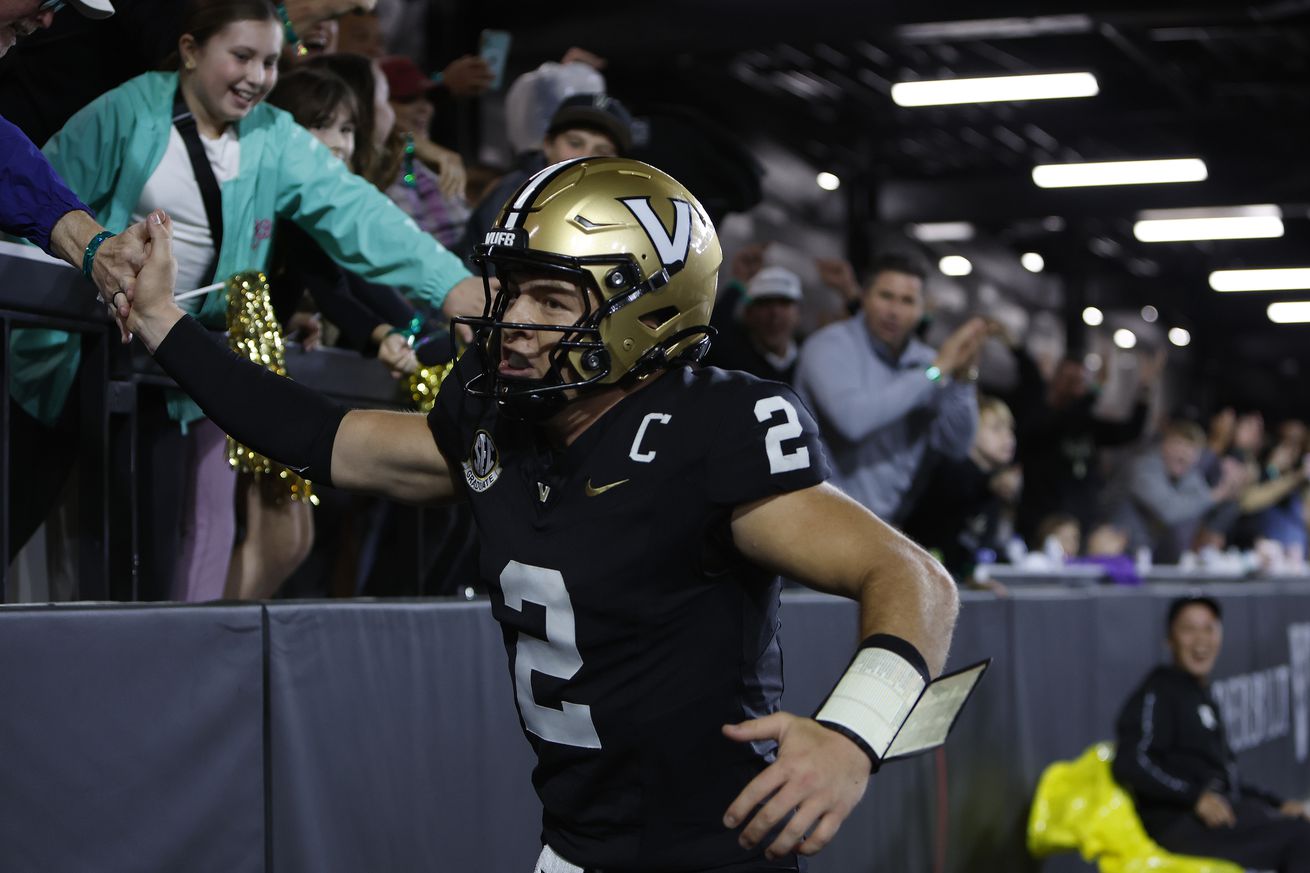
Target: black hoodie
1172	747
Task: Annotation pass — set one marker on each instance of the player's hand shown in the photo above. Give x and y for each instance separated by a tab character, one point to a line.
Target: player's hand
819	773
153	311
1213	809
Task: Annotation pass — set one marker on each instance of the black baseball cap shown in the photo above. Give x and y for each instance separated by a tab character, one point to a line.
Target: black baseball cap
595	112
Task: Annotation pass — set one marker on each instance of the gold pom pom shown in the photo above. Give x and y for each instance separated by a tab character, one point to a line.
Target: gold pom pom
425	383
254	334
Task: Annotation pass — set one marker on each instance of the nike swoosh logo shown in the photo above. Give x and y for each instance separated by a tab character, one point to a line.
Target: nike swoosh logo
596	492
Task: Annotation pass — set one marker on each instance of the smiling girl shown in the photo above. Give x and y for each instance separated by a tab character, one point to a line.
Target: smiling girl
129	152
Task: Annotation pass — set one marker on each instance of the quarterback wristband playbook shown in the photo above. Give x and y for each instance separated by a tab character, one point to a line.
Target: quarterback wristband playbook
888	705
269	413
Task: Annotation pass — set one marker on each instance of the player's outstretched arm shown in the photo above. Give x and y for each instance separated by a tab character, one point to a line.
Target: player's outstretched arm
908	603
387	453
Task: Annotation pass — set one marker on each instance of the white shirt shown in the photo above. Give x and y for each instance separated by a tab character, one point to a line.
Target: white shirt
173	188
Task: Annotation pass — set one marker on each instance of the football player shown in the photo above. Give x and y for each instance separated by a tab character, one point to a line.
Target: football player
634	513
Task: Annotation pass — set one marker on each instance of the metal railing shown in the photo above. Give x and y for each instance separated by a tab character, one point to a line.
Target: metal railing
38	291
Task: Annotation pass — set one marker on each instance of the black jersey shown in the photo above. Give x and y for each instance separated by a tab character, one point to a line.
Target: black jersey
634	628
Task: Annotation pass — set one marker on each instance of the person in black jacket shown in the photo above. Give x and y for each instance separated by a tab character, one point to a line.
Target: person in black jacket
1060	435
961	513
1174	757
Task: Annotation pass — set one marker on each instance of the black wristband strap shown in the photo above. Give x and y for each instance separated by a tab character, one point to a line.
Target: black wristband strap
904	648
894	694
275	416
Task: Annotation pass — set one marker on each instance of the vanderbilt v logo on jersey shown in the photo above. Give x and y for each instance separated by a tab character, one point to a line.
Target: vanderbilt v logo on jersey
482	468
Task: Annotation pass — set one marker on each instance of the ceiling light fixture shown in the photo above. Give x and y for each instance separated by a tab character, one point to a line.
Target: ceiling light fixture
1092	317
1279	279
828	181
1186	225
1180	336
955	265
942	231
1289	312
1032	262
994	89
1125	338
1120	173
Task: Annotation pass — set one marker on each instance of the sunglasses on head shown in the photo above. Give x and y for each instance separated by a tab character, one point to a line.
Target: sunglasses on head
52	5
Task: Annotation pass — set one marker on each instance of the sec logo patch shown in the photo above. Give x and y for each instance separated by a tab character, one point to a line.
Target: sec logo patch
482	468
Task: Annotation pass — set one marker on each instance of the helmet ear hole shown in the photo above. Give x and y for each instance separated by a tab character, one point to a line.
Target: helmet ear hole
660	317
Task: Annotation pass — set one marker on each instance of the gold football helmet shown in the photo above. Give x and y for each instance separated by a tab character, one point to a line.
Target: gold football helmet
621	229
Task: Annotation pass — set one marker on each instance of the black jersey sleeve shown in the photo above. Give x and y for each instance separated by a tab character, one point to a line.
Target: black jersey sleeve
763	442
452	412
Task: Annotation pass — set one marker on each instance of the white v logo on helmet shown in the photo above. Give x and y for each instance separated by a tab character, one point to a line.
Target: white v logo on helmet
671	248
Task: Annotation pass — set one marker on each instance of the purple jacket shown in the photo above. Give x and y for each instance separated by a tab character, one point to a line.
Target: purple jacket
32	196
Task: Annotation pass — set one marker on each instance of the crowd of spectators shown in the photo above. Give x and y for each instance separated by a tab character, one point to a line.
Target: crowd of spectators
1034	473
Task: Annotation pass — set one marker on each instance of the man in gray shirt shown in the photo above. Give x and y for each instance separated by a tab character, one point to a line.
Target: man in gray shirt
1162	499
882	397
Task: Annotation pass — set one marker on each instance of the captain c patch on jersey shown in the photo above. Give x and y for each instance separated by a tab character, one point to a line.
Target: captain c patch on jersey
482	468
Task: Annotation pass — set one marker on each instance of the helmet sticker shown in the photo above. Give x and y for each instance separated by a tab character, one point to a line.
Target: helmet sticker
672	248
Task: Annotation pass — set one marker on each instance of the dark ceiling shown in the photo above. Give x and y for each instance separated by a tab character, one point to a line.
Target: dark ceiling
1226	81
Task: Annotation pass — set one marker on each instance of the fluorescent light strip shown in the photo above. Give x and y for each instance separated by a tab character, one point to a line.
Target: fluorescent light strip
1120	173
1264	221
1289	312
1281	279
942	231
993	89
1190	229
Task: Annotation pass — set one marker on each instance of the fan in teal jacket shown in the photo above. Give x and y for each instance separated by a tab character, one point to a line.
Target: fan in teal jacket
109	150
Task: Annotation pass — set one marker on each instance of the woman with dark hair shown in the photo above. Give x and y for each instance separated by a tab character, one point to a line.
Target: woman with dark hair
371	317
376	119
198	143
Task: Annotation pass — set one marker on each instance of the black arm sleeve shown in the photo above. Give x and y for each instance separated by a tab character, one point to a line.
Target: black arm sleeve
272	415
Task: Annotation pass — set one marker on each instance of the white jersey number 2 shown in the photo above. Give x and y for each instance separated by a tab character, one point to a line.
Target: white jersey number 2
789	429
556	656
